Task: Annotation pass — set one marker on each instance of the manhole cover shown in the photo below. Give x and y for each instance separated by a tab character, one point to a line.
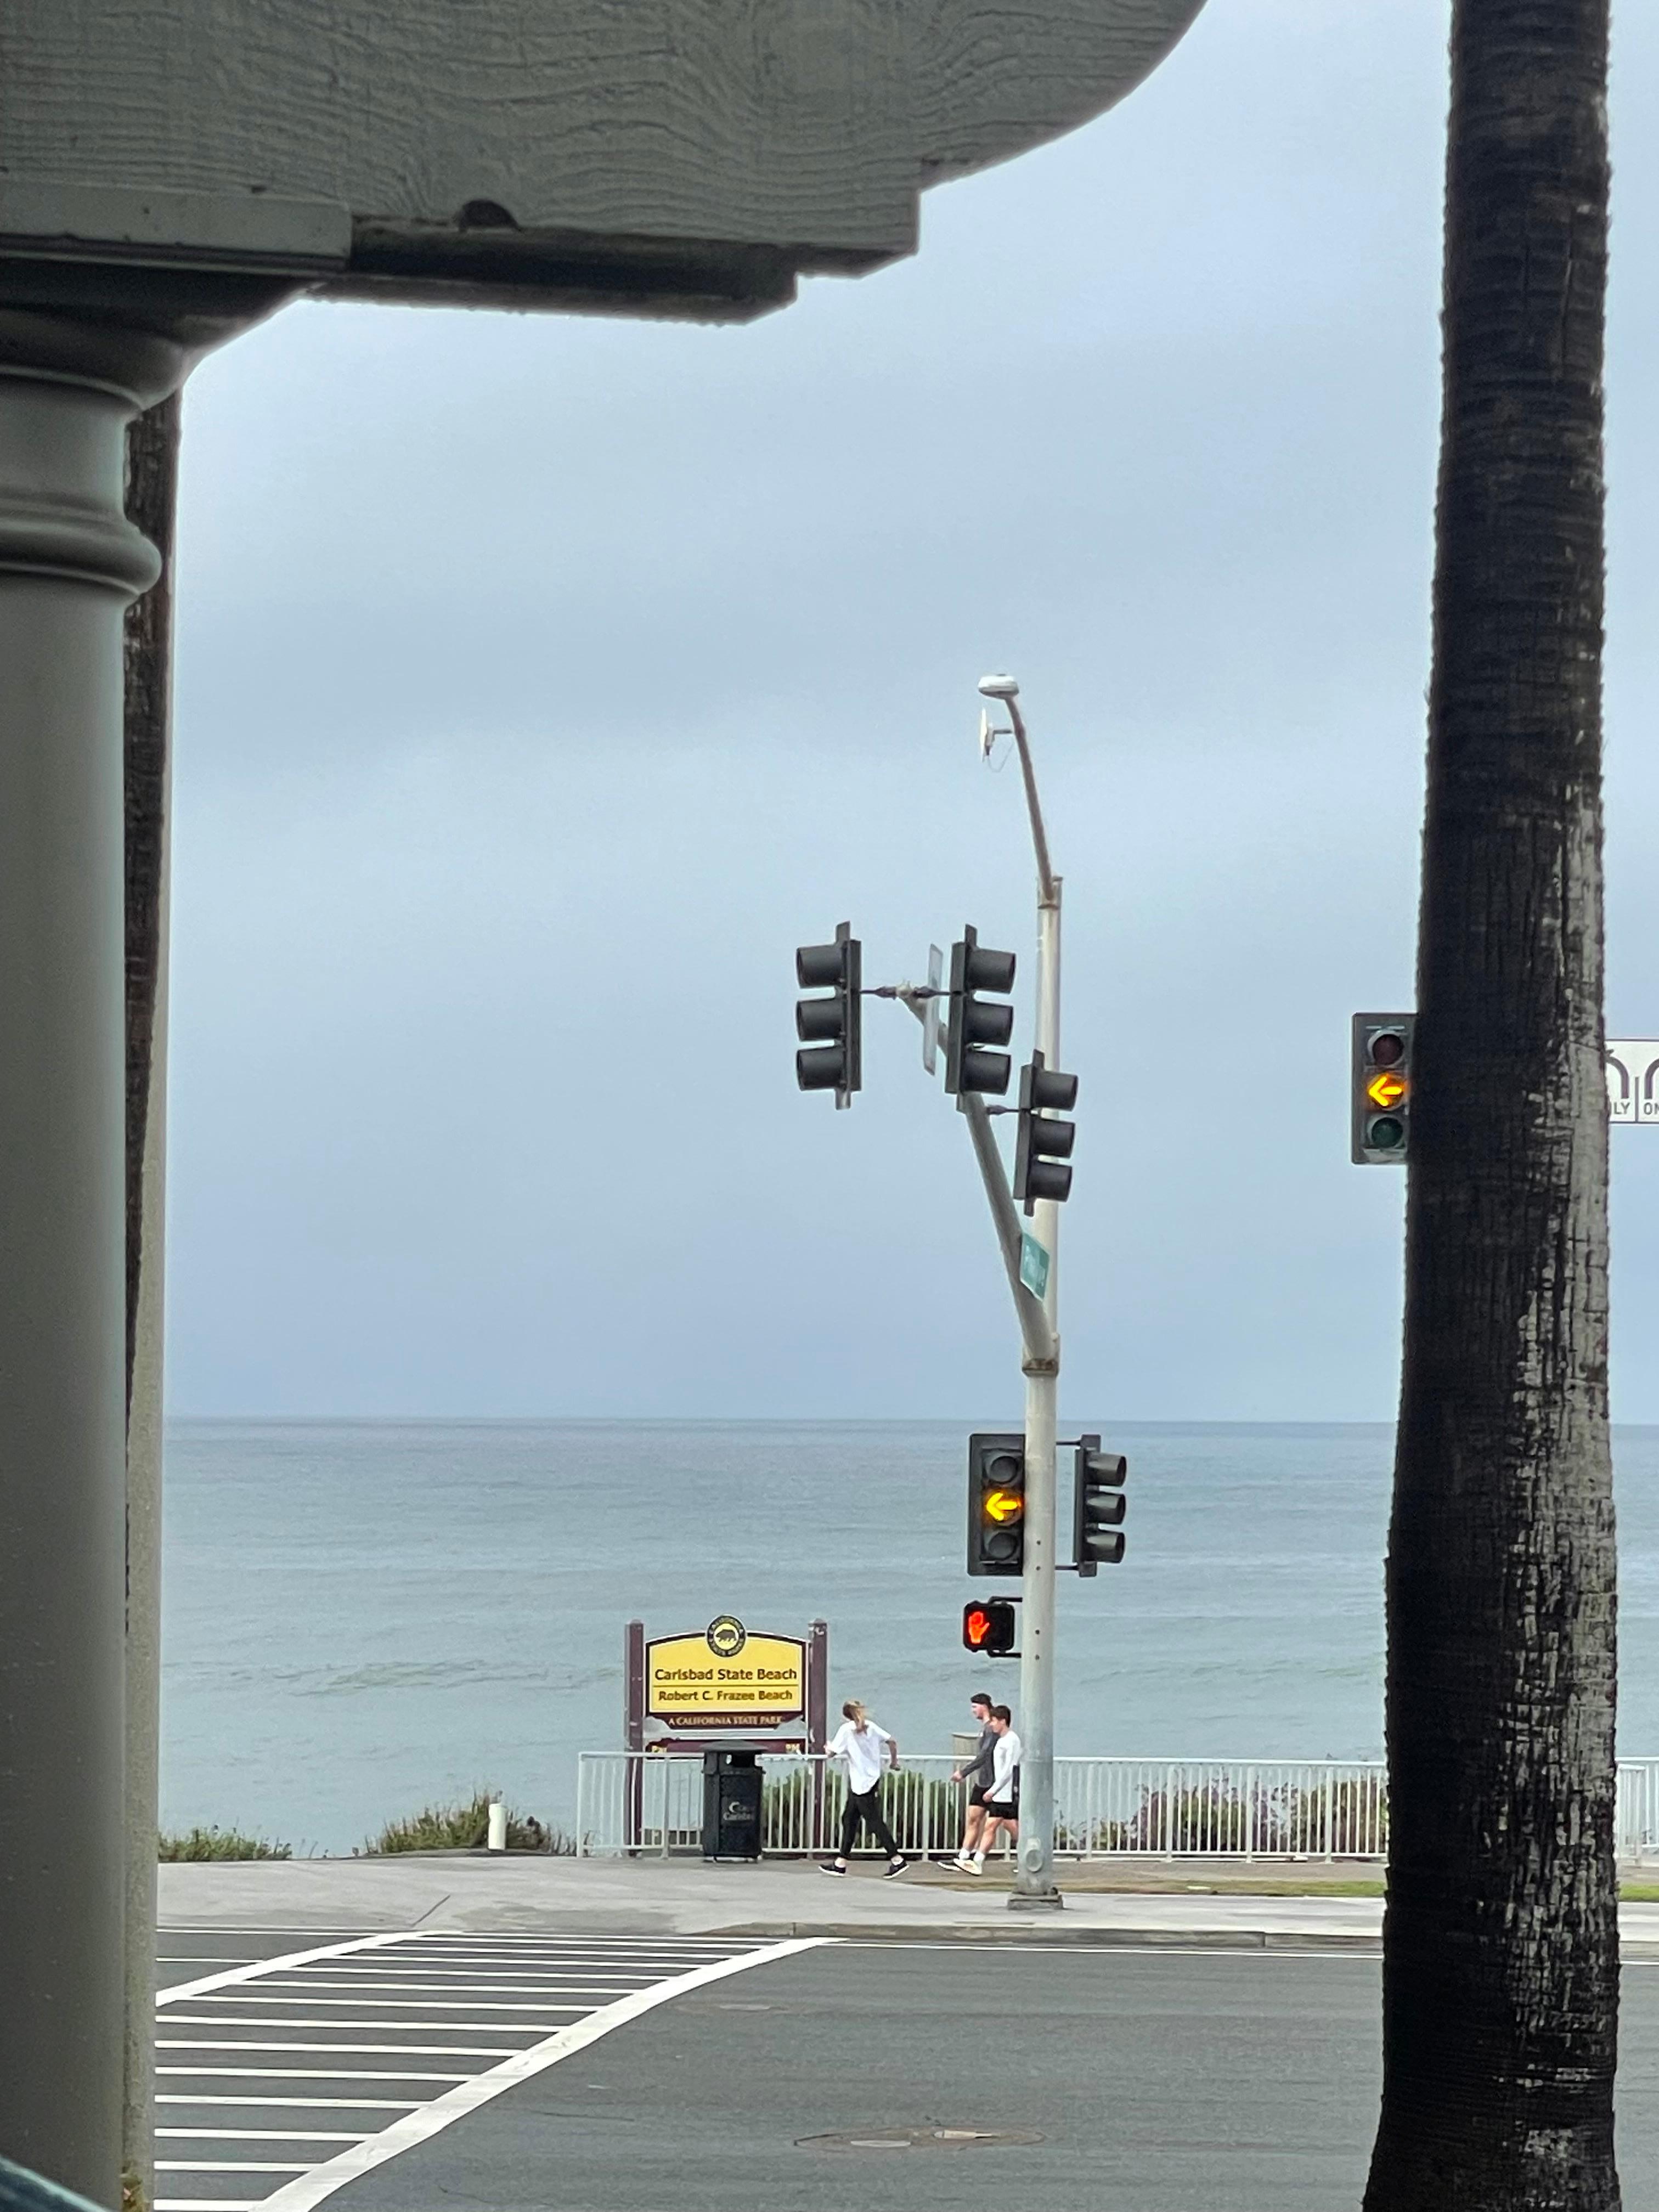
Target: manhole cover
867	2138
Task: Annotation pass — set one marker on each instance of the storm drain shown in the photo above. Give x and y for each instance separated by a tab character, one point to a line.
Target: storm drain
915	2138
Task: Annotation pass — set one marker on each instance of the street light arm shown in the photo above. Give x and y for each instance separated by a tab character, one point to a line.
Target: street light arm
1048	886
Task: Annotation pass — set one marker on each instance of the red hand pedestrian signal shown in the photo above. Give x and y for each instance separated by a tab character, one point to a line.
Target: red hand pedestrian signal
990	1626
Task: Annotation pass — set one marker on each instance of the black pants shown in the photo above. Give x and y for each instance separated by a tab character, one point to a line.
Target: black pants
866	1806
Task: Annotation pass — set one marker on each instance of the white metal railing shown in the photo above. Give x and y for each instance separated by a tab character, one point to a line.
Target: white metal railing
1637	1824
643	1802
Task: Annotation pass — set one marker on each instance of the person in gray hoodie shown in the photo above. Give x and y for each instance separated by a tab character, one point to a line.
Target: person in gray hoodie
977	1773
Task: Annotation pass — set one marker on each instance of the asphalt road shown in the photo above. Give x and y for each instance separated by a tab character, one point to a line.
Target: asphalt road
1136	2081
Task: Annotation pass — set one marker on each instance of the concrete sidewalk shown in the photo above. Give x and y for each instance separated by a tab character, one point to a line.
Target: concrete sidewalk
468	1891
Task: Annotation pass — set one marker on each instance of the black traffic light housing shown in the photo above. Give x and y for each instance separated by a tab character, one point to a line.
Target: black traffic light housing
1097	1506
832	1029
990	1626
1380	1092
1044	1144
977	1022
996	1505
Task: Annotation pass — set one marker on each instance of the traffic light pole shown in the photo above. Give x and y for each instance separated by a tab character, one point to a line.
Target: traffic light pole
1035	1888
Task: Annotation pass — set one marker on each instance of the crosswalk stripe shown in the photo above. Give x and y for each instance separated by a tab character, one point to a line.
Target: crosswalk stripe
261	2135
415	2027
228	2165
431	2004
313	2104
405	2049
305	2074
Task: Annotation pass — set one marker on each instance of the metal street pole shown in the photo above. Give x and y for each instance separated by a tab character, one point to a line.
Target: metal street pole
1035	1888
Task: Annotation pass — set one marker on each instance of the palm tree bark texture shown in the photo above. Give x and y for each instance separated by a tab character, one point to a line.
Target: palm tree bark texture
1500	1947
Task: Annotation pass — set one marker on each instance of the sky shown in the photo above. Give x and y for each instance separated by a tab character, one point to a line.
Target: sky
543	682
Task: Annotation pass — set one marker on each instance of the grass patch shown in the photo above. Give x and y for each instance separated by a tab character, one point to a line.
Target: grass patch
465	1828
219	1843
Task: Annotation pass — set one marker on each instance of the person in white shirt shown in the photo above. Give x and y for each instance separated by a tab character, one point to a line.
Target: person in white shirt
1002	1798
859	1744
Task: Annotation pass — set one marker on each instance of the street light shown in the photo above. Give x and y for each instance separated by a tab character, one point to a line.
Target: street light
1033	1879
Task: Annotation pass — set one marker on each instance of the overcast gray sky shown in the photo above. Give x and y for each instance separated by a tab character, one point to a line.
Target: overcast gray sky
542	683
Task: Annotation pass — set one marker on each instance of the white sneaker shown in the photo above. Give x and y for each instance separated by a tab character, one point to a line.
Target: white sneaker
976	1865
963	1861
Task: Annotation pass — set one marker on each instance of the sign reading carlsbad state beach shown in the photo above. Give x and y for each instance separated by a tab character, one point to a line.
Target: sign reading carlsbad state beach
723	1677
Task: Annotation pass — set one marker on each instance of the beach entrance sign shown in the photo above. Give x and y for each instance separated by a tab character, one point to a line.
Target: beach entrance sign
725	1676
683	1691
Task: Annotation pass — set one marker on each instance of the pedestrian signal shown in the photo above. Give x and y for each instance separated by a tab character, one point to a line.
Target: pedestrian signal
832	1029
1098	1507
996	1505
1043	1147
989	1626
977	1021
1380	1089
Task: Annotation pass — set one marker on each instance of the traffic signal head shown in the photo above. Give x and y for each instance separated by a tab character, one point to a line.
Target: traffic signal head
1381	1088
1098	1507
831	1029
975	1021
1044	1144
990	1626
996	1505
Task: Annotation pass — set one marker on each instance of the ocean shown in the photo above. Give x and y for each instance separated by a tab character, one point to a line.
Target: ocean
361	1618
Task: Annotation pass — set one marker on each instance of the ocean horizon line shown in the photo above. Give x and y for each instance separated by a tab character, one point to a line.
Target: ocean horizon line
1126	1423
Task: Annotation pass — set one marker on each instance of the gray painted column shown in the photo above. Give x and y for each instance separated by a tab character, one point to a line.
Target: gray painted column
68	563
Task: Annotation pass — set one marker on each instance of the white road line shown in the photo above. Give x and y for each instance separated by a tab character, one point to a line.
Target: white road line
578	1940
431	2119
433	1951
301	1987
313	2104
431	2004
228	2165
300	2073
260	2135
415	2027
397	2049
254	1967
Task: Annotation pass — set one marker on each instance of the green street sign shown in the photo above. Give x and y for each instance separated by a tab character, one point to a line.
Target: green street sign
1033	1265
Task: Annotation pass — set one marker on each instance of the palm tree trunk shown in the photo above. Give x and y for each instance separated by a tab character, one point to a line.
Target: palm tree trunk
1500	1954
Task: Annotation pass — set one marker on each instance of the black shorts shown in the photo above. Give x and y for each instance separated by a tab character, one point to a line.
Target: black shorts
1002	1808
977	1795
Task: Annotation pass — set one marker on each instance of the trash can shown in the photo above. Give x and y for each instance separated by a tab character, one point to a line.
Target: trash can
730	1804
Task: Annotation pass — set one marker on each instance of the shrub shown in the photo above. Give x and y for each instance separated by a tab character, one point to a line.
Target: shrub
219	1843
466	1828
1209	1819
1344	1820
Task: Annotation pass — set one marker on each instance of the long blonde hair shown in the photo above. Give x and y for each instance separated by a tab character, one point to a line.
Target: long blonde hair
858	1714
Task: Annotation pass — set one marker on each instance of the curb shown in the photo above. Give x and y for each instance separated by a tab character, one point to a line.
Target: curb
1077	1935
